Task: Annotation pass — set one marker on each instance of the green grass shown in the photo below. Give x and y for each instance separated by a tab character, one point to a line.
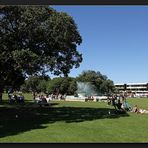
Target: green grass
71	122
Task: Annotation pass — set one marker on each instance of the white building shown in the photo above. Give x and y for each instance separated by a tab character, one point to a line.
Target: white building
133	89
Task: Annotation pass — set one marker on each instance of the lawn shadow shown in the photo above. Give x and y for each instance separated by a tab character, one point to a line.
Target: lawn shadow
15	120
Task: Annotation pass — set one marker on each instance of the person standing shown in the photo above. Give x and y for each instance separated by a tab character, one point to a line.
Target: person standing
114	101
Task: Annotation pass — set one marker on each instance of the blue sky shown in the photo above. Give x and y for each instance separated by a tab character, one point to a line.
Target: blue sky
115	40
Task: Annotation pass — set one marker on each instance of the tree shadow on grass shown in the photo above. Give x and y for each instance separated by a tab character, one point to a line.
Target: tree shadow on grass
15	120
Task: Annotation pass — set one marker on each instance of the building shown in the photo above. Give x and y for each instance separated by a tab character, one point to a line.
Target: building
133	89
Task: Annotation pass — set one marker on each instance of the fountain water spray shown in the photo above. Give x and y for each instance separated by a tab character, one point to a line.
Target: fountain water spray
86	89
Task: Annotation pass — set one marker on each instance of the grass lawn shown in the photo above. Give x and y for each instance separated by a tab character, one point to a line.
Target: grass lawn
71	122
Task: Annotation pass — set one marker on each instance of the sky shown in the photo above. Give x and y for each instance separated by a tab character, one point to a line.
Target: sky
115	41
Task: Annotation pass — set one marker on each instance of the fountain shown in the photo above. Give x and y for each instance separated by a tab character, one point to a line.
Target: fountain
84	90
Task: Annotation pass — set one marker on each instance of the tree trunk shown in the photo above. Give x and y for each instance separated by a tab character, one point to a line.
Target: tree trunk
1	96
34	95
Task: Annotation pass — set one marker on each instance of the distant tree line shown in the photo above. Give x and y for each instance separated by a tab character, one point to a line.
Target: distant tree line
68	85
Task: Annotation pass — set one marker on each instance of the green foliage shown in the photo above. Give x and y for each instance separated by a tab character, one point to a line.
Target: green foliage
35	84
68	85
100	82
54	85
36	40
63	85
72	87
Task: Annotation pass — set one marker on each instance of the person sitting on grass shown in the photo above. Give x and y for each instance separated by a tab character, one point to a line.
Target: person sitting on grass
20	98
119	107
15	97
138	110
43	101
126	106
11	98
37	99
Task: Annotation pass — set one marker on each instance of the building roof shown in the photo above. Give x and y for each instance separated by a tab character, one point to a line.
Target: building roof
131	83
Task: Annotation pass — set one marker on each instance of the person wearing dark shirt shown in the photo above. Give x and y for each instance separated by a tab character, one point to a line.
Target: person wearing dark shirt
119	107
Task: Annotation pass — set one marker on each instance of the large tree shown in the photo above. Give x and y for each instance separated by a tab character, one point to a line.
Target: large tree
35	40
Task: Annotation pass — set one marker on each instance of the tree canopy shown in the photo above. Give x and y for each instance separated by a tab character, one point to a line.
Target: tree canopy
35	84
35	40
62	85
57	85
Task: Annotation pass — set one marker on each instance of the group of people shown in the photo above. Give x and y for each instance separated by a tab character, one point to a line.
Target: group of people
42	99
121	105
47	98
119	102
57	96
18	98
